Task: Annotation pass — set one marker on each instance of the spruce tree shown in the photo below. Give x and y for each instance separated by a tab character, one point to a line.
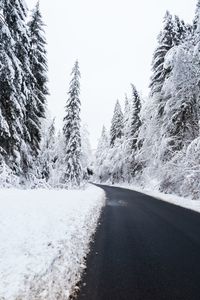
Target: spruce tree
36	104
197	17
48	155
126	116
135	121
72	149
132	124
117	124
180	30
102	168
12	108
86	151
15	14
165	43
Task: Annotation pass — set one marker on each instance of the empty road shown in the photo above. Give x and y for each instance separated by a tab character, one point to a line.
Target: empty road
144	249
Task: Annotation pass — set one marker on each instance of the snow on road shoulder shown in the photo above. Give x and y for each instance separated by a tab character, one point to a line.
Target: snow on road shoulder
173	199
45	237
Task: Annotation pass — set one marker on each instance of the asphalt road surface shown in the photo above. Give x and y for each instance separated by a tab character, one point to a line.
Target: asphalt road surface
144	249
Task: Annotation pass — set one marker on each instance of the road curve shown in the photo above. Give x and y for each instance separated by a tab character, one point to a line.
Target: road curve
144	249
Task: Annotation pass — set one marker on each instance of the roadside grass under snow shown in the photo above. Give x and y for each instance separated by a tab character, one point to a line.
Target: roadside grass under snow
173	199
44	239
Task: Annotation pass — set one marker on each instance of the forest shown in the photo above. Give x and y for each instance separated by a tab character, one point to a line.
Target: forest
152	142
155	142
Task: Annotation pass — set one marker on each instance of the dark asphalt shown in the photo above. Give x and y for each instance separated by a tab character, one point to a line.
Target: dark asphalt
145	249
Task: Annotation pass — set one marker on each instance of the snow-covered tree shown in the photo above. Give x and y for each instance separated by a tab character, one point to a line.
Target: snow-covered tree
102	165
86	151
171	119
48	156
165	43
116	130
159	145
36	104
126	117
180	30
12	109
15	13
135	121
72	149
197	17
132	124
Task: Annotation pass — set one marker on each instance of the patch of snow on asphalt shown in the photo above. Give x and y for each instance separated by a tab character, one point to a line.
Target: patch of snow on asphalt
45	237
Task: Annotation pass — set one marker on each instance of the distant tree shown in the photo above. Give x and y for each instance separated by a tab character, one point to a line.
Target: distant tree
116	124
86	151
48	155
72	149
132	124
102	167
135	121
180	30
197	17
126	117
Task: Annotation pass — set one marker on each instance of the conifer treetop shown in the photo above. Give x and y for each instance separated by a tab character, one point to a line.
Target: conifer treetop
196	22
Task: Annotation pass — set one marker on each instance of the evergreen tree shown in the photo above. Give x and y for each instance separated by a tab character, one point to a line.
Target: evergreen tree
117	124
86	151
102	165
135	121
196	22
12	109
165	43
180	30
132	124
72	149
15	13
126	117
48	155
36	104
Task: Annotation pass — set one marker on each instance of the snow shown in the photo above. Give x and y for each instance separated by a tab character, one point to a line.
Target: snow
45	237
173	199
169	60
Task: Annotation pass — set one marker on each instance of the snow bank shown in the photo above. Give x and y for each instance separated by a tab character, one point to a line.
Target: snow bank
44	238
180	201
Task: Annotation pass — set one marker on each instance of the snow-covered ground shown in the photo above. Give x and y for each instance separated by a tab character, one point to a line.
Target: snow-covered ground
180	201
44	238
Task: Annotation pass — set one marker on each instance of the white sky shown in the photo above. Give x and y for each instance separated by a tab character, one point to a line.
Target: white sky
113	40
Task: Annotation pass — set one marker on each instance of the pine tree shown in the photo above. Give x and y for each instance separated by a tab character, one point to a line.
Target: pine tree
36	104
165	43
72	149
117	124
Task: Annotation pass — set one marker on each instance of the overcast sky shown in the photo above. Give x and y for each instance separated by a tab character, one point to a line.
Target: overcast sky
113	40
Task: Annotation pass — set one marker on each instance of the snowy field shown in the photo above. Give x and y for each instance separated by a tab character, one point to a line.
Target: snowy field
180	201
44	238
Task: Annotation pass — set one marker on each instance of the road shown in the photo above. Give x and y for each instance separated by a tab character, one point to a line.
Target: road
144	249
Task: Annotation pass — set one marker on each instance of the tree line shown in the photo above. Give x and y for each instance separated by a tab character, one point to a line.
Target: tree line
156	142
31	152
